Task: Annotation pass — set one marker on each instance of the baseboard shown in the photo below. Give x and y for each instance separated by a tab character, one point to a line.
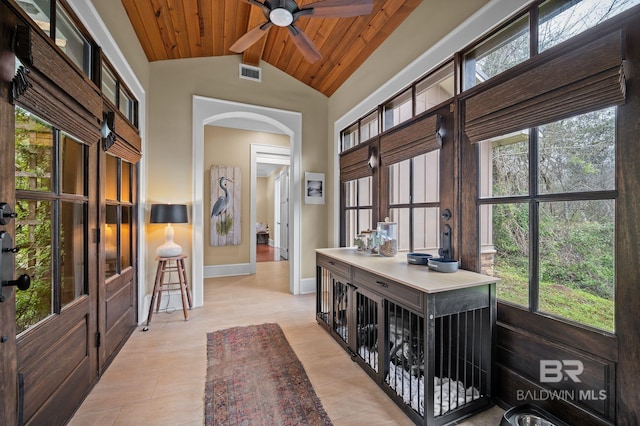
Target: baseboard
307	285
215	271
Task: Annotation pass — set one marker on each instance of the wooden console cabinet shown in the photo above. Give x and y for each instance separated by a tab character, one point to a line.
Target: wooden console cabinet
426	338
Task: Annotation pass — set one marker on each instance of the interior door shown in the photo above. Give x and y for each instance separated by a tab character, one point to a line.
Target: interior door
276	212
284	214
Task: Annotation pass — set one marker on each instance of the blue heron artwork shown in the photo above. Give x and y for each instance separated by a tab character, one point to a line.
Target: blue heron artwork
225	205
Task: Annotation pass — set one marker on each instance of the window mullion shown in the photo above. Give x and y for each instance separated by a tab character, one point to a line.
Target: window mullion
534	247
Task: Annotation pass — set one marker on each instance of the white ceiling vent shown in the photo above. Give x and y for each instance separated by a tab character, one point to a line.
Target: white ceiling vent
249	72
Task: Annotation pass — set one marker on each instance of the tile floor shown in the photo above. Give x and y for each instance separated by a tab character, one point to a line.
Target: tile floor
158	376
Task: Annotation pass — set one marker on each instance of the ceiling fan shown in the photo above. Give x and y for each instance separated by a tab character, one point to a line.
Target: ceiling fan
285	13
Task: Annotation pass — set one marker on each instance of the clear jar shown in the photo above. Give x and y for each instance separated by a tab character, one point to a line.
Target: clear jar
388	237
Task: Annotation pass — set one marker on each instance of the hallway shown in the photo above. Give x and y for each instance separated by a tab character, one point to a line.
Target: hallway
158	377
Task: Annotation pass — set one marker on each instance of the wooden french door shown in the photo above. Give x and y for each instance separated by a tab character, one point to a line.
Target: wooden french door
8	366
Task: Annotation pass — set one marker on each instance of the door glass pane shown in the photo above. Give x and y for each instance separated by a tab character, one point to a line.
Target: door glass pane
504	165
125	184
111	240
505	249
578	154
577	270
111	178
426	177
34	237
72	251
125	237
34	152
73	169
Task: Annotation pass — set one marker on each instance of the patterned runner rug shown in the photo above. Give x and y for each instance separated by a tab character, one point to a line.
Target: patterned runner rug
255	378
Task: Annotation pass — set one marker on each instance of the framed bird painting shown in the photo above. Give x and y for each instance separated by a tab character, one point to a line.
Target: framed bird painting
225	209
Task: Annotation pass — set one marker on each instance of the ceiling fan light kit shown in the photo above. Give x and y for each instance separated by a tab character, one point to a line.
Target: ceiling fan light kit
285	13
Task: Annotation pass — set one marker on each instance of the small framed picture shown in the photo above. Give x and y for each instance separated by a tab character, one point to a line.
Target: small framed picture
313	188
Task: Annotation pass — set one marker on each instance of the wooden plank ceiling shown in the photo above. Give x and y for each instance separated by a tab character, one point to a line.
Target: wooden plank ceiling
175	29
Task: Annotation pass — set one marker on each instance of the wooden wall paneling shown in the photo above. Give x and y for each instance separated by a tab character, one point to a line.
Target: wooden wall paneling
510	380
599	344
448	182
627	297
469	251
521	351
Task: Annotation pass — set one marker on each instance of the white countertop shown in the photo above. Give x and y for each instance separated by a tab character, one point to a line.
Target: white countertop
397	269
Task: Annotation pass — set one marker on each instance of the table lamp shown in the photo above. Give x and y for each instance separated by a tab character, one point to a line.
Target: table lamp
168	213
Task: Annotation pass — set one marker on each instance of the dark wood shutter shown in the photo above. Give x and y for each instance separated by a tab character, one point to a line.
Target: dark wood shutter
59	93
416	137
354	164
582	80
128	144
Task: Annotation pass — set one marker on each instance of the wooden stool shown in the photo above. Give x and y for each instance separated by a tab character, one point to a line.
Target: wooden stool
164	266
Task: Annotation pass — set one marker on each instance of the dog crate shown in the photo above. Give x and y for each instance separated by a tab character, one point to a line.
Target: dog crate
431	352
446	357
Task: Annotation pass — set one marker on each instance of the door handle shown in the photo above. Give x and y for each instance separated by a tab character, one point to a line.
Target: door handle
6	214
6	271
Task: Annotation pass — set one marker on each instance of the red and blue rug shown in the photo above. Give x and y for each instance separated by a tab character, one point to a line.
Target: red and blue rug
255	378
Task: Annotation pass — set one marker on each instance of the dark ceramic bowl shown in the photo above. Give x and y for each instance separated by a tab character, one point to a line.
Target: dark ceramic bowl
442	264
418	258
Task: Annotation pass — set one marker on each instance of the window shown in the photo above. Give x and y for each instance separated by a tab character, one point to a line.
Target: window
358	213
109	85
547	213
116	92
350	137
500	52
557	21
435	89
398	110
119	210
414	202
51	227
39	11
369	126
560	20
73	42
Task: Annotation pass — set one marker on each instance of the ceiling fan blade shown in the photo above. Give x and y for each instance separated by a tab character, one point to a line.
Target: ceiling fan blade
339	8
244	42
304	43
261	5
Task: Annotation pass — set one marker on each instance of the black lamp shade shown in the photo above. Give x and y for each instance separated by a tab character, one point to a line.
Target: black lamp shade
169	213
